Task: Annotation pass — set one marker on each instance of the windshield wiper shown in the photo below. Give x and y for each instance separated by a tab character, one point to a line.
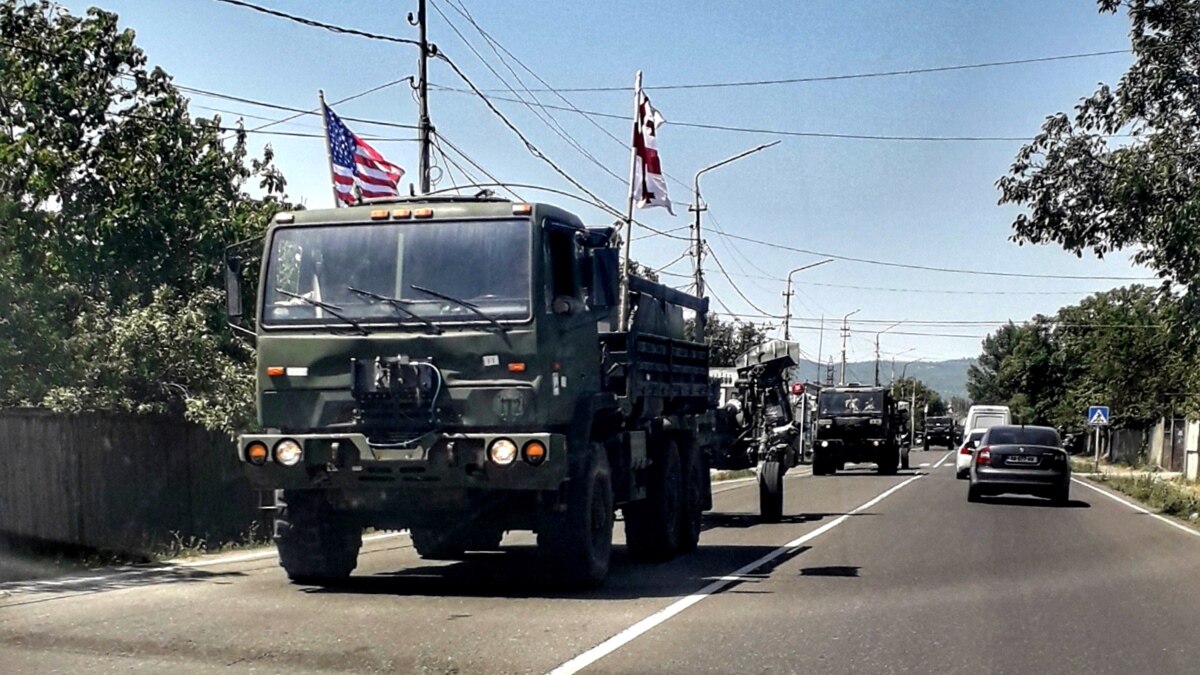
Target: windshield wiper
397	304
332	309
461	303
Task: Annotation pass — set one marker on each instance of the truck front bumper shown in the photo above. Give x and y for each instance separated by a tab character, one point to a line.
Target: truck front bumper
432	461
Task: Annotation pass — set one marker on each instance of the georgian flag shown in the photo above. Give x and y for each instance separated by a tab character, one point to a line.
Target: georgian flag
649	187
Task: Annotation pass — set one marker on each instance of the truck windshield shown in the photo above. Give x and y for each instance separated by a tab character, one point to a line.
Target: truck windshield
851	402
482	263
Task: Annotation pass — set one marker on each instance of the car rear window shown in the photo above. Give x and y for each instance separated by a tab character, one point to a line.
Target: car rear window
1027	436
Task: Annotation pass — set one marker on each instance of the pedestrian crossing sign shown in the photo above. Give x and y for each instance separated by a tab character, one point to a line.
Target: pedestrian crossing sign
1098	415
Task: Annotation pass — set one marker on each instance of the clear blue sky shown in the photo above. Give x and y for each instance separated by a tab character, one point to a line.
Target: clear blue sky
915	202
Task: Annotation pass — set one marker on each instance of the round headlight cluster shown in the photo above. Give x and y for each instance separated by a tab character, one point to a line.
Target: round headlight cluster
824	444
502	451
288	452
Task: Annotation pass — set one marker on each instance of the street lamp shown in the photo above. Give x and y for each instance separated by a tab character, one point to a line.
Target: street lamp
787	296
877	349
698	207
845	335
912	407
906	351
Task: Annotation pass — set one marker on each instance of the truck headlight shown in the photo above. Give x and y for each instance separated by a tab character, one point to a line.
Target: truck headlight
824	444
288	452
502	451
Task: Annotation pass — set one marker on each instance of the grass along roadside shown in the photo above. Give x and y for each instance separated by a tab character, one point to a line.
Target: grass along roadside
1170	496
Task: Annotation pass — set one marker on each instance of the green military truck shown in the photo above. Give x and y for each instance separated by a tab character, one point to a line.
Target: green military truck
940	431
857	424
455	367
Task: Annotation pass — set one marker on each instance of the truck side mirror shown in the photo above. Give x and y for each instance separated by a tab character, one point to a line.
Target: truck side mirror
605	278
233	288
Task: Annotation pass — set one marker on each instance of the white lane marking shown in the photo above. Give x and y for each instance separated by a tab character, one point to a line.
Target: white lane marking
1138	507
730	485
923	464
645	625
175	563
943	459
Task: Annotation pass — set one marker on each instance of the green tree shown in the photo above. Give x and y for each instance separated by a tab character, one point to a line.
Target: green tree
1019	367
903	390
1087	188
116	207
728	340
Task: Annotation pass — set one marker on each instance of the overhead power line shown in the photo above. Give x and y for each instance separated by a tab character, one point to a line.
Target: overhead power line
856	76
319	24
928	268
276	106
774	132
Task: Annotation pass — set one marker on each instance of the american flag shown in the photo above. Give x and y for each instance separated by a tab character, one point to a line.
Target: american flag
356	164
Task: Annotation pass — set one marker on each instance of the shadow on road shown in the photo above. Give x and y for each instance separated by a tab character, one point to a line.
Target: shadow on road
714	520
518	572
1034	501
830	571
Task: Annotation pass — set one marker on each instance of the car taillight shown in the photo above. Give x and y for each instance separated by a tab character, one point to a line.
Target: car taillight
966	450
984	458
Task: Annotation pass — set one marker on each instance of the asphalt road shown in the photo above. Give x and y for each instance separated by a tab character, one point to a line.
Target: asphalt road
865	574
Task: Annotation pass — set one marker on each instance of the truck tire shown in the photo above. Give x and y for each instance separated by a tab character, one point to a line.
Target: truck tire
692	518
449	544
316	545
770	491
651	525
576	542
904	459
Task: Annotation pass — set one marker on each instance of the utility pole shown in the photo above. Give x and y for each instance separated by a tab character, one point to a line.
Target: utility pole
787	296
845	336
424	128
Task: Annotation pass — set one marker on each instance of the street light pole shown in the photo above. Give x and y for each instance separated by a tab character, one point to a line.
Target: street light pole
787	297
877	349
699	206
845	335
893	377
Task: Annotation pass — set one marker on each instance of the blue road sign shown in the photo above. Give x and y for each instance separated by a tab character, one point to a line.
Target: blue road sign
1098	415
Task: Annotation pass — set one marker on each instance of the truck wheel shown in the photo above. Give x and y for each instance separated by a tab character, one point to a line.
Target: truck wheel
651	531
694	500
316	545
770	491
823	465
904	459
577	542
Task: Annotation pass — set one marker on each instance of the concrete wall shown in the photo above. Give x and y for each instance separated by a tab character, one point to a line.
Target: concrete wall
118	482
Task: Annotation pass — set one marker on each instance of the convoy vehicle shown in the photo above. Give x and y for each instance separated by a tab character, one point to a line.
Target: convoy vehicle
962	458
856	424
938	431
984	416
1020	460
457	367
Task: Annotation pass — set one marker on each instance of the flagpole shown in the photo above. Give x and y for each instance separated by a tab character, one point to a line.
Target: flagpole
623	314
328	150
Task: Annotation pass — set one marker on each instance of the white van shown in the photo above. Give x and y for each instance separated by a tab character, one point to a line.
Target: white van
984	416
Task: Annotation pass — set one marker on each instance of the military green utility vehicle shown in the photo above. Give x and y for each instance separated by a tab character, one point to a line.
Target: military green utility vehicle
455	367
857	424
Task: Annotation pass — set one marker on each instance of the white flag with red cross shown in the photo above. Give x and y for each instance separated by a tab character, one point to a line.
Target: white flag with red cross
649	187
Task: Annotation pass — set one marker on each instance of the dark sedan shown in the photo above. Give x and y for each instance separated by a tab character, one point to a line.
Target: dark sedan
1021	460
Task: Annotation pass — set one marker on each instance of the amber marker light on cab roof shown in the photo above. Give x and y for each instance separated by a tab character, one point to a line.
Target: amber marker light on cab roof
275	371
423	213
522	209
380	214
516	367
285	218
401	214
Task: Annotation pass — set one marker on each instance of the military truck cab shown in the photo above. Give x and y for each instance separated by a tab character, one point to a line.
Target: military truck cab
856	424
455	367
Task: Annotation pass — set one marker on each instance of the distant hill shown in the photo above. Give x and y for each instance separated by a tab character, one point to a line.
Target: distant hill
948	378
